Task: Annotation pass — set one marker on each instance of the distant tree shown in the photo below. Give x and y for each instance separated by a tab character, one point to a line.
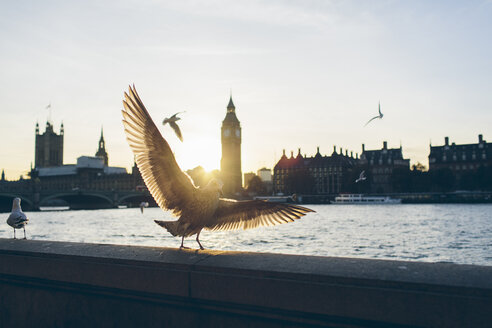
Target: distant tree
419	167
300	182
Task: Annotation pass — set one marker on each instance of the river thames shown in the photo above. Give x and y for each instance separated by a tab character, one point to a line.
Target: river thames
455	233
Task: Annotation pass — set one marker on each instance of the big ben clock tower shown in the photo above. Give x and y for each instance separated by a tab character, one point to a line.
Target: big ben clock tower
230	164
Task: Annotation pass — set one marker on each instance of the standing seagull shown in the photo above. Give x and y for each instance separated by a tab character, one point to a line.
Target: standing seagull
17	219
197	208
380	116
172	122
362	177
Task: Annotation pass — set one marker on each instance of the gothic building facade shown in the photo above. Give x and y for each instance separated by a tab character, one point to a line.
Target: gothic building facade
317	175
48	147
230	163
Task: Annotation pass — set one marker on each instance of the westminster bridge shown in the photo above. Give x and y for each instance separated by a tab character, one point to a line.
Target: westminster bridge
32	197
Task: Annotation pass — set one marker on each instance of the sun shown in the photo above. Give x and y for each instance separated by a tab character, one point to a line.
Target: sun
203	151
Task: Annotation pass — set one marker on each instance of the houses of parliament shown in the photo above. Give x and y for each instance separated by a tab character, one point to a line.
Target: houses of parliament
94	172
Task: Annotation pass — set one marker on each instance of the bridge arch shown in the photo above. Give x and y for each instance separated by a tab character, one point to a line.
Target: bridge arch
82	200
6	202
134	199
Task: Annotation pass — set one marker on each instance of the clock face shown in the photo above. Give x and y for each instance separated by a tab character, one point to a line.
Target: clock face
238	133
227	132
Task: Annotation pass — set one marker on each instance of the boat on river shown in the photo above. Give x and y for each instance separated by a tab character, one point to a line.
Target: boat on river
354	199
275	199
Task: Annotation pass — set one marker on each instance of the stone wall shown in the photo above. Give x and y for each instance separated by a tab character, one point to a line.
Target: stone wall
60	284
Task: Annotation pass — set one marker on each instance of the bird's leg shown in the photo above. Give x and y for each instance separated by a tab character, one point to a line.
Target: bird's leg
24	232
198	241
14	234
182	241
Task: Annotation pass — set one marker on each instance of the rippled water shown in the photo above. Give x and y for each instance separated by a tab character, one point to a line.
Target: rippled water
449	232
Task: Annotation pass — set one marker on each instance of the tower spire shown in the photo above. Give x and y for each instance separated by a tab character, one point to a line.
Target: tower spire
101	152
230	106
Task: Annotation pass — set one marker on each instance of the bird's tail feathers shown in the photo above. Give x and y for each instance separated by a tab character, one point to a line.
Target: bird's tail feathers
170	226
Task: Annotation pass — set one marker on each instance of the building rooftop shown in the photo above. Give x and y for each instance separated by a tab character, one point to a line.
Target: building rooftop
461	153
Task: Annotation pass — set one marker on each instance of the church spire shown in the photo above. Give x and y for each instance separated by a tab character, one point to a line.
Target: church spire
230	106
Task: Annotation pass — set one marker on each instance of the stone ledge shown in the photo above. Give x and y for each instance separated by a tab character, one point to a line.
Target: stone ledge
267	289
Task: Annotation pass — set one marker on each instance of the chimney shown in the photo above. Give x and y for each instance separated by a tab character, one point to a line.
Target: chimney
334	149
363	147
346	152
291	154
317	150
341	151
385	145
299	152
480	138
356	155
283	151
446	141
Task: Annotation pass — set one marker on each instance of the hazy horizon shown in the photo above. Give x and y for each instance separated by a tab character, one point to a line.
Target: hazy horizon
302	75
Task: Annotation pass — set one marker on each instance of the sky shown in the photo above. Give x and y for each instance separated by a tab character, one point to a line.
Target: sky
302	74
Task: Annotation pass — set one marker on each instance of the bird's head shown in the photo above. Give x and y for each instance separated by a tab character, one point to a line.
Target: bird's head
215	185
16	203
166	120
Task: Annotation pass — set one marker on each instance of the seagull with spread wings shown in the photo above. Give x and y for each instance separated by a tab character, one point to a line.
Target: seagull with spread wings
362	177
380	116
172	122
172	189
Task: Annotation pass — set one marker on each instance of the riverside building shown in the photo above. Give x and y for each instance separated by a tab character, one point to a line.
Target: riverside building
380	165
315	175
460	158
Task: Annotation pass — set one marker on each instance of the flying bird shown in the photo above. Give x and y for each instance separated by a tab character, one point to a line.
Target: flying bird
380	116
362	177
172	122
143	205
172	189
17	219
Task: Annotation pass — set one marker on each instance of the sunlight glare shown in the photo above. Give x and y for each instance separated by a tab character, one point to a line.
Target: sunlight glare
202	151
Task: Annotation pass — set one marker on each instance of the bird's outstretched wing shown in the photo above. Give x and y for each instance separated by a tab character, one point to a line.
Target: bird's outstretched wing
232	215
171	188
375	117
176	129
177	114
379	108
